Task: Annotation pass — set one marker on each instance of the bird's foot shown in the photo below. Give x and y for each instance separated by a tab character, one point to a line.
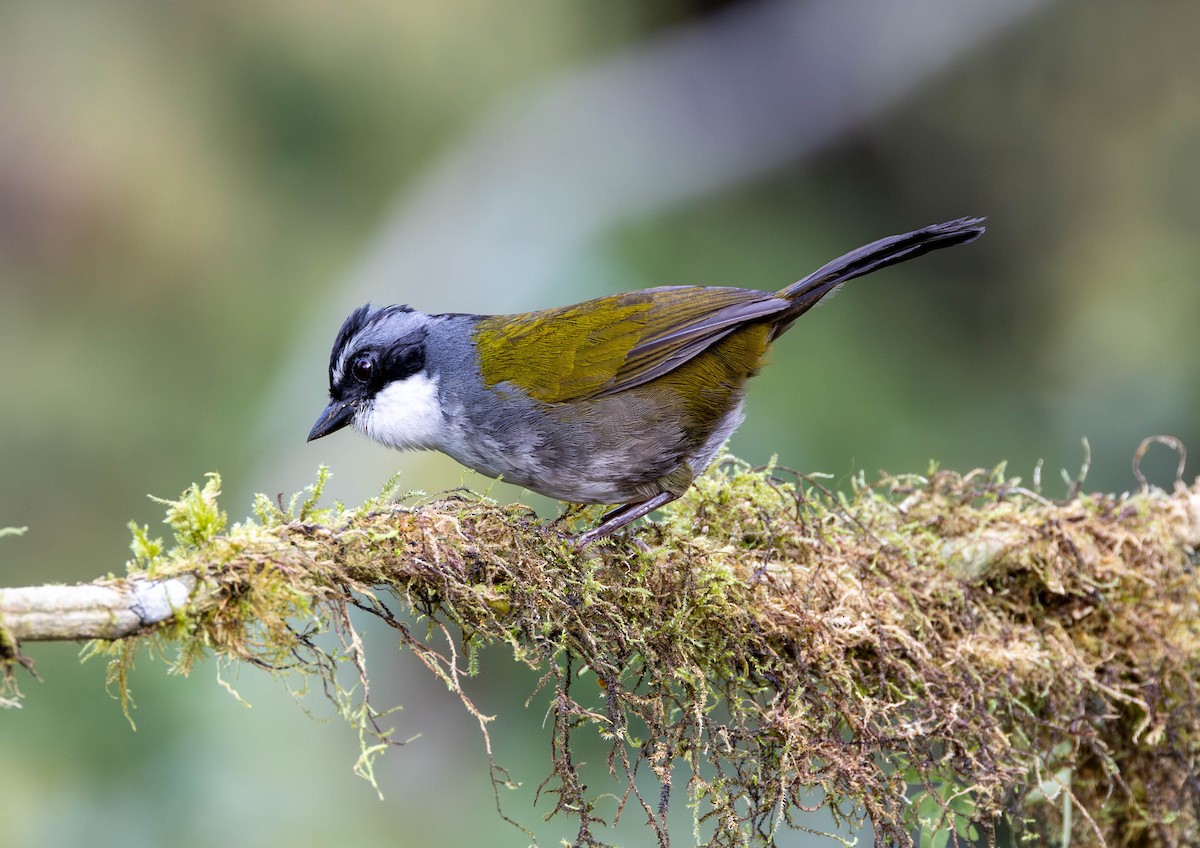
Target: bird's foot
620	517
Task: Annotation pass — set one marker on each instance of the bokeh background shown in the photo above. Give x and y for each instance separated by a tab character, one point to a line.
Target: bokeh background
192	196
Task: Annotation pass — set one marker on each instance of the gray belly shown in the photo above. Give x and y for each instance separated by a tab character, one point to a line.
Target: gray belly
618	449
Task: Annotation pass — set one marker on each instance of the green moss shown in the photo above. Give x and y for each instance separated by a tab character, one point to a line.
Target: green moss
195	517
943	654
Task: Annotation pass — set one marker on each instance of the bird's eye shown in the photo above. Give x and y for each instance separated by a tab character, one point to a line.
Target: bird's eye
362	369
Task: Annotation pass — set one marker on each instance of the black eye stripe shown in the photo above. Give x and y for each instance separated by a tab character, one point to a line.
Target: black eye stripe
369	369
402	362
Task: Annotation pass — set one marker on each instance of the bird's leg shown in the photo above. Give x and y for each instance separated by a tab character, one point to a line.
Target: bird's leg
619	511
621	516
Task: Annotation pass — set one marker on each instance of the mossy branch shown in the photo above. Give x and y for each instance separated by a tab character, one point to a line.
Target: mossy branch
947	653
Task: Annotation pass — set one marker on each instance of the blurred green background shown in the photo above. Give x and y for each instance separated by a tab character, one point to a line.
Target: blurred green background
192	196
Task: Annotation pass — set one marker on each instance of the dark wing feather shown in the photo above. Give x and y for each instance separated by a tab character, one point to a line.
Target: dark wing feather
685	321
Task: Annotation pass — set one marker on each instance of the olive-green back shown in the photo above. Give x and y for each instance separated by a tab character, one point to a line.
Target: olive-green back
614	343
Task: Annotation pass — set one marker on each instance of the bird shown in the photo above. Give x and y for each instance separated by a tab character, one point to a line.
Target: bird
622	400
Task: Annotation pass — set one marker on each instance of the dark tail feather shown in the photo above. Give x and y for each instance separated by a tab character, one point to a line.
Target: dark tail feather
878	254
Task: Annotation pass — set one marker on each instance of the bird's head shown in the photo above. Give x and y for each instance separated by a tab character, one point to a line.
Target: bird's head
379	380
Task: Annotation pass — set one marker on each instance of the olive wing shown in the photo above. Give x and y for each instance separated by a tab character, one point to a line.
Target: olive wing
614	343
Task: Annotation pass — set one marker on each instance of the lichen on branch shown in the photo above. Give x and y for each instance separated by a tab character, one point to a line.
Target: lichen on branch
940	653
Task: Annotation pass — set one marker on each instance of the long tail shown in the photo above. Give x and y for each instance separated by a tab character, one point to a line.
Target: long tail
805	293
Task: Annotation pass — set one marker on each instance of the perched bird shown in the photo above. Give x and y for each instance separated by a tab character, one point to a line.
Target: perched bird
623	399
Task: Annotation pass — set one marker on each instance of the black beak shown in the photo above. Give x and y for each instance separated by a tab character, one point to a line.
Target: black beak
336	416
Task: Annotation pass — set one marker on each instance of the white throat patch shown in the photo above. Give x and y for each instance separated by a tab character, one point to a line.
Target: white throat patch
405	415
